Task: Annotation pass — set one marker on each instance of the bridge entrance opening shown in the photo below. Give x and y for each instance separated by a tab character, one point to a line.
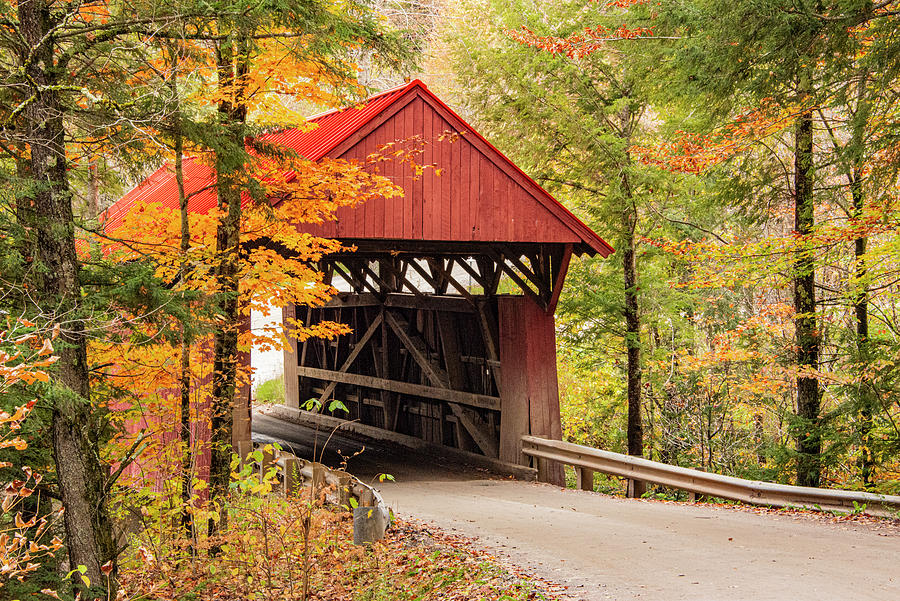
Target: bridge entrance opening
437	352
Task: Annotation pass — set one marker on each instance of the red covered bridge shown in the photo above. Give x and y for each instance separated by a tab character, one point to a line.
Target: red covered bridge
450	293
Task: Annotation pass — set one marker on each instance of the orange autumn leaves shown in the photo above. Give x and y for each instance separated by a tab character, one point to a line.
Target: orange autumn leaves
23	540
590	39
275	264
275	267
581	44
695	153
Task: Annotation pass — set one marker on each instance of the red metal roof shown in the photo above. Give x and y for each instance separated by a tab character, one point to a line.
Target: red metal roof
332	127
514	217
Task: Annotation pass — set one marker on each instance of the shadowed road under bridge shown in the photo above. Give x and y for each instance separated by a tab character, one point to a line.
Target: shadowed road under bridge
610	548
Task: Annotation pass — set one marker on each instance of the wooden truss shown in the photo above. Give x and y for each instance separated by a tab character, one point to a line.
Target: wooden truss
537	270
424	357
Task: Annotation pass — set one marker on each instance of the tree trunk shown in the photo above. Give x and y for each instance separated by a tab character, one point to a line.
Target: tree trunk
861	311
93	195
75	428
187	519
635	430
856	177
807	433
232	69
632	340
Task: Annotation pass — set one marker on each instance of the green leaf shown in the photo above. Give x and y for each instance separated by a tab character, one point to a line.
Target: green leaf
335	404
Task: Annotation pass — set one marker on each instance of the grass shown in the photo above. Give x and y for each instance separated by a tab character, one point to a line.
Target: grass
271	391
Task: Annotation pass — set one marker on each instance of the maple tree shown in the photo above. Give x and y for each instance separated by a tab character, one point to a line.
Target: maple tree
313	38
95	71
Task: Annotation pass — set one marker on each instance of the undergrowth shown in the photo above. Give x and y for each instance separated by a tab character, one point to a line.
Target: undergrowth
272	545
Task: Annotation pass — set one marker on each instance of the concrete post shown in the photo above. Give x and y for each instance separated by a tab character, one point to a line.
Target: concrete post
343	487
318	478
368	525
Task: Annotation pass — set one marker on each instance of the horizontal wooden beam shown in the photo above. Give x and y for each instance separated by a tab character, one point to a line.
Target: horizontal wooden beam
400	300
471	399
441	454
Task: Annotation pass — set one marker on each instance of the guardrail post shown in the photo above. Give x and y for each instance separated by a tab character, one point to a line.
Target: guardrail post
584	477
318	477
343	487
543	467
636	489
366	498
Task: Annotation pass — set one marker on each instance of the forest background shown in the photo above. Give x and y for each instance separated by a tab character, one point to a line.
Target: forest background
740	156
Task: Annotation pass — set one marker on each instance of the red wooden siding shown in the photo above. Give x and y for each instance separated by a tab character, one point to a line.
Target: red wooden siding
529	394
480	196
473	198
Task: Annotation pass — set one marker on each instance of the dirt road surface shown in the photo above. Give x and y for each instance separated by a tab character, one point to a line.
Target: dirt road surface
603	547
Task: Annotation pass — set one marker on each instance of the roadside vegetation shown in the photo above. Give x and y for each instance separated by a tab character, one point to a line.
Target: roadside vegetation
271	391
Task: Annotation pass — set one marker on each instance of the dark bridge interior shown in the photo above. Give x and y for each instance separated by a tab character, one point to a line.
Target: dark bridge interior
436	351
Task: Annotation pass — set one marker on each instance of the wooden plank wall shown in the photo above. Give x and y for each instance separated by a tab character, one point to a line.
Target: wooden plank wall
426	418
474	198
241	411
514	410
530	391
291	383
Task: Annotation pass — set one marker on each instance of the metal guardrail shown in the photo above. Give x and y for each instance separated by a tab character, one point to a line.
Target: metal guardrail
586	460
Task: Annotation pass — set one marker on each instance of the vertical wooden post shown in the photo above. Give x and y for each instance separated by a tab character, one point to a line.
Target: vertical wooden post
514	419
240	412
291	384
529	399
635	489
584	478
